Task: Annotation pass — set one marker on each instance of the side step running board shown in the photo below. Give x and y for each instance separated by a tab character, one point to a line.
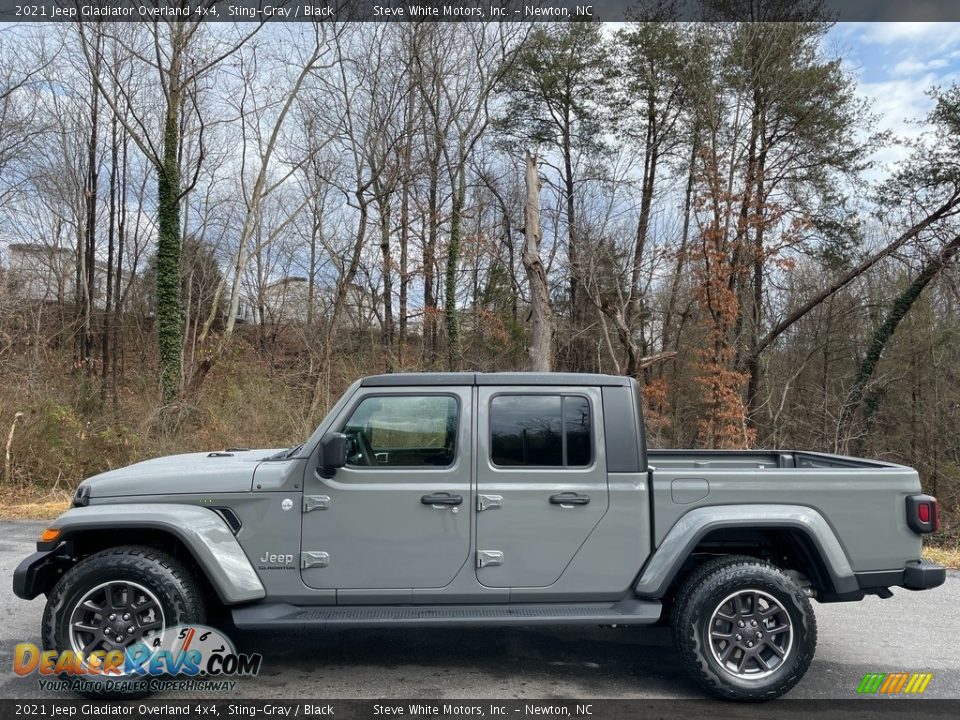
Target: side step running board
282	615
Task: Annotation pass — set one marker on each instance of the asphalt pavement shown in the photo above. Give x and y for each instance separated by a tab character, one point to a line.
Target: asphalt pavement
910	632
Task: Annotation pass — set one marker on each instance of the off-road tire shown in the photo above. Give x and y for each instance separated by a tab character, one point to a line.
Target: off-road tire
700	595
173	584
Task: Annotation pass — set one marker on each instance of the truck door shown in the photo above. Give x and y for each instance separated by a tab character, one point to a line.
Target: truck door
541	483
397	516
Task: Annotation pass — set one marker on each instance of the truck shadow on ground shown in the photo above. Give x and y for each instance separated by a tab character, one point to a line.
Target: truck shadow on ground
557	662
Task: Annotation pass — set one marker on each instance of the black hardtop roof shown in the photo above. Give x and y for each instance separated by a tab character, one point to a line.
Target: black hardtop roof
498	378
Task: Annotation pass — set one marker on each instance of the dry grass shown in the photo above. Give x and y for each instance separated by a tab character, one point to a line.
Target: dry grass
68	432
949	556
21	503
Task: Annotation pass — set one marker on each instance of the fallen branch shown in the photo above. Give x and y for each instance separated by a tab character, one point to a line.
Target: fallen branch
948	208
7	458
649	360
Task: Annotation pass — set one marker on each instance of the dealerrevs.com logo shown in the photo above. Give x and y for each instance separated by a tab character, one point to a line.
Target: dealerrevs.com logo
184	657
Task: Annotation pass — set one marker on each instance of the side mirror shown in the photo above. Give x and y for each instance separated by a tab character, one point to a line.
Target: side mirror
333	453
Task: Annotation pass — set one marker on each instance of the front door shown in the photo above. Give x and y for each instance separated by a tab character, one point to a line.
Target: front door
541	482
397	516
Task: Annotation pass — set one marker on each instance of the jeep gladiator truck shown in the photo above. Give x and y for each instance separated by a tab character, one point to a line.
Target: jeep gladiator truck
466	499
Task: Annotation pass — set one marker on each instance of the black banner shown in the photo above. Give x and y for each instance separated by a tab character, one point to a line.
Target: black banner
477	10
856	709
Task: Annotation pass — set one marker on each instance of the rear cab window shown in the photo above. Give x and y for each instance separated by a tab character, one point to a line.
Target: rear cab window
540	430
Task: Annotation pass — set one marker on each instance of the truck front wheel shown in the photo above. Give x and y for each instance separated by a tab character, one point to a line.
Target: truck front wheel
744	629
112	600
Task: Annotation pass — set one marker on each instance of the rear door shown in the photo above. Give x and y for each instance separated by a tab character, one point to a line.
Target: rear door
397	516
541	484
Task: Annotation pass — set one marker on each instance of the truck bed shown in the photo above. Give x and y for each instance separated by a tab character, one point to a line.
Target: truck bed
862	500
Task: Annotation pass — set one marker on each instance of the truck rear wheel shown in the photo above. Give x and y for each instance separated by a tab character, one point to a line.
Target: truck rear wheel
744	629
112	600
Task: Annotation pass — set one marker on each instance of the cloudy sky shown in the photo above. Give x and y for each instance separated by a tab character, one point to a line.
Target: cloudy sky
896	63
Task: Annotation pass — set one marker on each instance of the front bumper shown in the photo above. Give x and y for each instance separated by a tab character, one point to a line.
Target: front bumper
39	572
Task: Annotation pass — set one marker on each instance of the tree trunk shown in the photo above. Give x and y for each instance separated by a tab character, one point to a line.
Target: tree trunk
405	217
429	259
576	360
118	324
90	236
539	351
316	227
756	319
404	261
108	302
388	362
684	240
321	390
169	311
453	267
651	159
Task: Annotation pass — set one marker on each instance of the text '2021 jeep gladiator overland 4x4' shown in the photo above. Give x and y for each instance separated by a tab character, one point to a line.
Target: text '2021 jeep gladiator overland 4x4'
438	500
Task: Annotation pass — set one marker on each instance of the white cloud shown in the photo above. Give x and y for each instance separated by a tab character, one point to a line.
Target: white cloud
901	105
912	66
895	65
931	34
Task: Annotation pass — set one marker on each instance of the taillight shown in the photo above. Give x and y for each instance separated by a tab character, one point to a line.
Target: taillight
922	513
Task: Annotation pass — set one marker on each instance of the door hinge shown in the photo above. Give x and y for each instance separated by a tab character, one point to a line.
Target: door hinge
314	559
489	558
315	502
485	502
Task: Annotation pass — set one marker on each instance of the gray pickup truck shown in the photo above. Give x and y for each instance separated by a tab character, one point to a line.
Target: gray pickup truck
454	499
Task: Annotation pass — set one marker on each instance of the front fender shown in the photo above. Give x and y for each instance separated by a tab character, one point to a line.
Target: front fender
694	526
202	531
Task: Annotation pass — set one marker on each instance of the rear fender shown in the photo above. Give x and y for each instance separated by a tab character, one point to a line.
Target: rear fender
665	563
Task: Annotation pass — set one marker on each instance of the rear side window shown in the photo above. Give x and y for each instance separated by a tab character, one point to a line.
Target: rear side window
403	431
540	431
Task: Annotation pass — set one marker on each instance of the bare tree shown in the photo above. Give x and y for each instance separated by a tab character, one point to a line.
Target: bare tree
540	351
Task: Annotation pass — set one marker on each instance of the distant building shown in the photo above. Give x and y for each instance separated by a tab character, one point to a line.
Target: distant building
245	313
40	273
37	272
286	302
361	308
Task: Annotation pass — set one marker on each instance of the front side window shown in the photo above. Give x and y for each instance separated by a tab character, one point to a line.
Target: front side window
540	431
403	431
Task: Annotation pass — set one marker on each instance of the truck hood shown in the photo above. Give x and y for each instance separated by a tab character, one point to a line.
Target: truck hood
203	472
